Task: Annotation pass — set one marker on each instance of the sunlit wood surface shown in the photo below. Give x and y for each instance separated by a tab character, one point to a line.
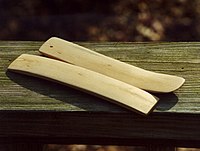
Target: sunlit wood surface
32	109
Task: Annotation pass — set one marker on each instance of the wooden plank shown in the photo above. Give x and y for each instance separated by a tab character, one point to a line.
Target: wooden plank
180	59
99	128
45	111
21	147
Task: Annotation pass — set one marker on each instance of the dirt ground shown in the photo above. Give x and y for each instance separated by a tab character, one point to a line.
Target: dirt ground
105	20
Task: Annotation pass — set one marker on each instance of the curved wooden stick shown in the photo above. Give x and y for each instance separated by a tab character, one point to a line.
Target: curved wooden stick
83	57
113	90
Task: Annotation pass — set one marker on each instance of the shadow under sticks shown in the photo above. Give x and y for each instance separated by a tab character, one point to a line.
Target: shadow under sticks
78	99
166	101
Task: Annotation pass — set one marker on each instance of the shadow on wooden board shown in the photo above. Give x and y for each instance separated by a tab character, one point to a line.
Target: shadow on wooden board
78	98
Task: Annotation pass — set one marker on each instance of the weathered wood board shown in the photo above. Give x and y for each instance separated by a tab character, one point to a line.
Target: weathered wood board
35	108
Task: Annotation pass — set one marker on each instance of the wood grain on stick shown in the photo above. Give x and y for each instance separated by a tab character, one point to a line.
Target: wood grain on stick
81	56
114	90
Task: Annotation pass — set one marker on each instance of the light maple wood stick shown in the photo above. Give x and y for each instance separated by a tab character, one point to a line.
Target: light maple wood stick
81	56
114	90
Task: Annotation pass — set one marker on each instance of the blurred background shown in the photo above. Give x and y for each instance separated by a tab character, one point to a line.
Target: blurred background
100	20
105	20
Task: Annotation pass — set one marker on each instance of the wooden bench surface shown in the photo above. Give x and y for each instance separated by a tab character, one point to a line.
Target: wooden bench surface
32	109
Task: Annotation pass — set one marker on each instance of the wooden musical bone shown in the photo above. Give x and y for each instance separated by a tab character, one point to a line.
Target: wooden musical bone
111	89
80	56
